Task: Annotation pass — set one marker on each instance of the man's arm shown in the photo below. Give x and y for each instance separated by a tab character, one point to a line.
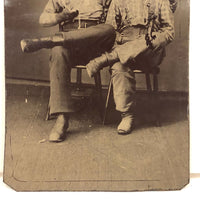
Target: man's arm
113	14
106	5
166	33
53	14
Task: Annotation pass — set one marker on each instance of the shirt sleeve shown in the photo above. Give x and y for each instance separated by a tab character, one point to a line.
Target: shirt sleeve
48	16
166	33
113	12
51	7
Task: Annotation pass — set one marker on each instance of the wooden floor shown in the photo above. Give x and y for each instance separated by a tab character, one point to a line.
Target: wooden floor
94	157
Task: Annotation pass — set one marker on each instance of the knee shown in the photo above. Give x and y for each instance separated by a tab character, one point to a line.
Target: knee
59	55
119	68
109	28
121	74
106	28
107	31
59	60
110	32
57	51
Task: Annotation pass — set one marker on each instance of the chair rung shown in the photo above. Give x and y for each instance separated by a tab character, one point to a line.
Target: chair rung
137	71
155	70
80	67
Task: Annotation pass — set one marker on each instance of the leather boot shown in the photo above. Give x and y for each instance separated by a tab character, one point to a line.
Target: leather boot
127	123
58	133
98	63
31	45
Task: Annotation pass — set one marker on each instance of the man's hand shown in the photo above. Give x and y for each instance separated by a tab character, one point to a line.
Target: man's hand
118	38
158	42
67	15
173	5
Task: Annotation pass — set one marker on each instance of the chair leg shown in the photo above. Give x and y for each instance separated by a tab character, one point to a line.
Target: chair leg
148	82
155	83
156	100
150	93
47	114
98	85
78	78
107	101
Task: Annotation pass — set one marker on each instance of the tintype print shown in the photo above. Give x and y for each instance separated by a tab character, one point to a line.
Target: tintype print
96	95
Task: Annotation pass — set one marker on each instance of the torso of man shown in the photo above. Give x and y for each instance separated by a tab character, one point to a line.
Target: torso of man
137	12
88	9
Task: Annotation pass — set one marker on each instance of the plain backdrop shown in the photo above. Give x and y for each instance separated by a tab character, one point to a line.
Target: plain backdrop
191	191
21	20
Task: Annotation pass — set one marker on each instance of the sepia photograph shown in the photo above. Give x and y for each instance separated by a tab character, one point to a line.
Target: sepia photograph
97	95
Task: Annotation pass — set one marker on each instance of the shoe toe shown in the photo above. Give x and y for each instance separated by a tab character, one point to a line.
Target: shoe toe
122	132
23	44
56	137
125	127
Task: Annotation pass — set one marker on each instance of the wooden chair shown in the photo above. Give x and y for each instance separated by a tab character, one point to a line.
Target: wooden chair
152	91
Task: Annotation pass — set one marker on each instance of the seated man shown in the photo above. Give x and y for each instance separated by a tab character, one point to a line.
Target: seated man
144	28
70	49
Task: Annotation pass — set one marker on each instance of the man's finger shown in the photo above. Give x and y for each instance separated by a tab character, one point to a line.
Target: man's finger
58	8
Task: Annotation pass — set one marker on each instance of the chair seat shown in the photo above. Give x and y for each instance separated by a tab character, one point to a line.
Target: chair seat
155	70
79	67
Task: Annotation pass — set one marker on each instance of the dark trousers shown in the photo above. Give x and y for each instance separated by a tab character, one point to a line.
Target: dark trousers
80	47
